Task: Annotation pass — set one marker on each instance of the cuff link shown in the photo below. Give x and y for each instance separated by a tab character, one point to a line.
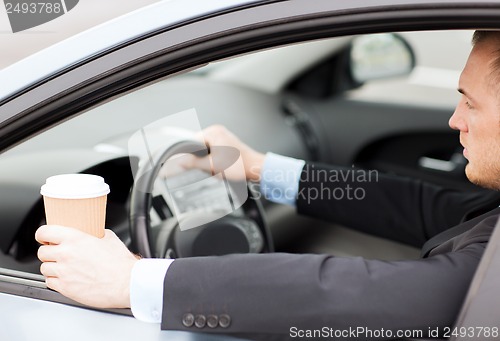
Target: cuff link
156	315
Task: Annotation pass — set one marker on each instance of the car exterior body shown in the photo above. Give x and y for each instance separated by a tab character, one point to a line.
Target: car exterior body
75	77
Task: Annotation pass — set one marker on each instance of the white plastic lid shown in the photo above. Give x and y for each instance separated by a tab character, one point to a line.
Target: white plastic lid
74	186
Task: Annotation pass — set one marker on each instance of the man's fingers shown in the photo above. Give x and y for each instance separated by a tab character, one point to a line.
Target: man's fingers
54	234
49	269
47	253
53	283
203	163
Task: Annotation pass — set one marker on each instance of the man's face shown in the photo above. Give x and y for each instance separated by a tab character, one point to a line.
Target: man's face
477	116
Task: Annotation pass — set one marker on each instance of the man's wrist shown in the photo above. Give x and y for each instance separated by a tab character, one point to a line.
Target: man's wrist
280	177
255	167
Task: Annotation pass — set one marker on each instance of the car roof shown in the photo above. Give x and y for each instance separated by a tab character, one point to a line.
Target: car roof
103	37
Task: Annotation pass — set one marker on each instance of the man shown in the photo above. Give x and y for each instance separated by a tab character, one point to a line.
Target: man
278	296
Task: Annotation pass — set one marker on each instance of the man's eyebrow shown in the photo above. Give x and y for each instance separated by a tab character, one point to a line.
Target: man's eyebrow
466	94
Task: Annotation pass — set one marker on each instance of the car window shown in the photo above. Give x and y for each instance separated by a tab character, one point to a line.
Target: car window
255	97
434	80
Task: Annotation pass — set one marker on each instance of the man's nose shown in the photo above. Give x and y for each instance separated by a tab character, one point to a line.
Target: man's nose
457	121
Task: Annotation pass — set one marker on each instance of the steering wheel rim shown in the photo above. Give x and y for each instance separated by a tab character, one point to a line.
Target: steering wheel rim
141	198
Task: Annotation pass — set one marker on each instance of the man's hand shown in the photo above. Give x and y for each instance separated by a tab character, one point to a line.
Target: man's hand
89	270
218	135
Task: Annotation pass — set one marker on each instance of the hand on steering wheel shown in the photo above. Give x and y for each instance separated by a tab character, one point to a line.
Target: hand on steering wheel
220	136
228	234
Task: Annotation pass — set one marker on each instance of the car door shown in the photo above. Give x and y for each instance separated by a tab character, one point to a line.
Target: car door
67	92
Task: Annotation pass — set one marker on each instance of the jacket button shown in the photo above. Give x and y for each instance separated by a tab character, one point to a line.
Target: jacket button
212	321
224	320
188	320
200	321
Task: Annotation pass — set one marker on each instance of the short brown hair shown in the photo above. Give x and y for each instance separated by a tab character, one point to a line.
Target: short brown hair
480	37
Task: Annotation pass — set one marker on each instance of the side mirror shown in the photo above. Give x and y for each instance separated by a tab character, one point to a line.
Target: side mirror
380	56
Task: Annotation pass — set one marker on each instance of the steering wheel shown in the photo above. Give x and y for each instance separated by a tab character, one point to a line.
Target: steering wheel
232	233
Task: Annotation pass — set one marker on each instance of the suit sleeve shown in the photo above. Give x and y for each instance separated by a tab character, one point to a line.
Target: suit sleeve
267	295
397	208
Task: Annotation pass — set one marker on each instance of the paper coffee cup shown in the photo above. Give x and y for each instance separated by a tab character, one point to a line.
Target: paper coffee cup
76	200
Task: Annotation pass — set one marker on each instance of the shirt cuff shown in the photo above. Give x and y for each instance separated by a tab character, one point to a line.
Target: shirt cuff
146	288
280	176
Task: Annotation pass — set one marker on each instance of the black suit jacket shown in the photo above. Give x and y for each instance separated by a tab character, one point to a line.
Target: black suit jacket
277	296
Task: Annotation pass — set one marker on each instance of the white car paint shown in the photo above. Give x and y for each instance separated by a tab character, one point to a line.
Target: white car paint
103	37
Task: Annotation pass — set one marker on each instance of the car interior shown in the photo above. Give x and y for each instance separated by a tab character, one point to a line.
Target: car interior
378	102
